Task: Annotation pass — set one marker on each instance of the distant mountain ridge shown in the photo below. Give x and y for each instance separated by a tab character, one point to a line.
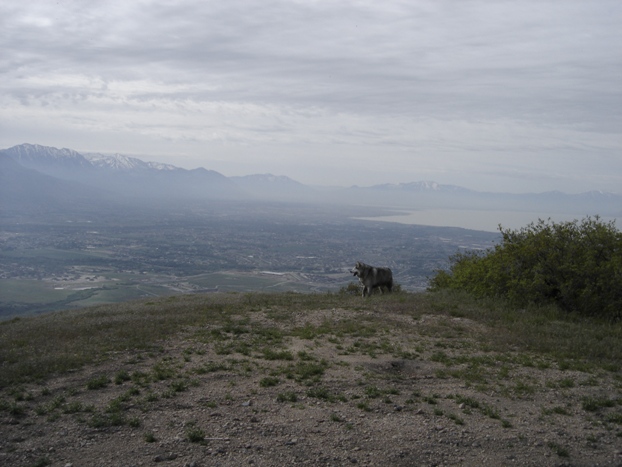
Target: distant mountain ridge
121	162
35	152
274	187
30	192
117	176
40	157
421	186
431	195
124	176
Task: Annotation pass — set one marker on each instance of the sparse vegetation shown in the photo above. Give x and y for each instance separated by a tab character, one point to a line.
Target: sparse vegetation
288	396
195	434
444	357
98	382
269	381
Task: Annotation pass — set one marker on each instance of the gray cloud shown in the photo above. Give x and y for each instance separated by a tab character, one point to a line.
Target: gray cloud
458	90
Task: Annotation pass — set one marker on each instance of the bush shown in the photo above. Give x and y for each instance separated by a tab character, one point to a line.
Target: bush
576	265
353	288
356	288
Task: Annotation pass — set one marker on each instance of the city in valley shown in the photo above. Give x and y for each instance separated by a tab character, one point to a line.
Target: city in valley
77	260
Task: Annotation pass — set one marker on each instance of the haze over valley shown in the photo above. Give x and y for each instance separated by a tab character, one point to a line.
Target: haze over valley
36	175
79	229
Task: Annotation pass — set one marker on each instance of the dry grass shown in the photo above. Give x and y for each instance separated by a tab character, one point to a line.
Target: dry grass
34	348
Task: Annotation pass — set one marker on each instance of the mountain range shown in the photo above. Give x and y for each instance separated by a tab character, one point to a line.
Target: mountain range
40	178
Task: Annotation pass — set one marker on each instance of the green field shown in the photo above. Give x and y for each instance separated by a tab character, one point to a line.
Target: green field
239	282
24	296
30	291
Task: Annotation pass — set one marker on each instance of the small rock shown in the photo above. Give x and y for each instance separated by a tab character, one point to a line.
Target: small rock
165	457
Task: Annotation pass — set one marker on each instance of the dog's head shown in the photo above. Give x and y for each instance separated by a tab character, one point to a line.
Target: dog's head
358	268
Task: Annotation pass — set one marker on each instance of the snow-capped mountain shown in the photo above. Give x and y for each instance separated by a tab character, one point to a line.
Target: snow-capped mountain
26	152
121	162
37	156
124	176
44	157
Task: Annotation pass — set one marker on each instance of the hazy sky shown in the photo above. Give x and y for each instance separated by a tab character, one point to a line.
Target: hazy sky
494	95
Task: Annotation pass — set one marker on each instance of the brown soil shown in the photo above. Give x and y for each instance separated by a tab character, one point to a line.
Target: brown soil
423	392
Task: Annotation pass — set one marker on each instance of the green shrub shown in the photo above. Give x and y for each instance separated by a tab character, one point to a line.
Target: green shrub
195	434
353	288
98	382
575	265
288	396
121	377
269	381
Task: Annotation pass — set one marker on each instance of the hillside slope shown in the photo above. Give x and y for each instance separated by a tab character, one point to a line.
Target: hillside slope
304	379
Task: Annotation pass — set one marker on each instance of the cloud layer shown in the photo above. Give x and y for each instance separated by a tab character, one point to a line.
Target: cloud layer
519	96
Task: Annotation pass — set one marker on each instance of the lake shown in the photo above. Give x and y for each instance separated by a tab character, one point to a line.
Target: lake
477	220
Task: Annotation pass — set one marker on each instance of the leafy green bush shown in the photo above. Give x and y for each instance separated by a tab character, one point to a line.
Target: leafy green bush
576	265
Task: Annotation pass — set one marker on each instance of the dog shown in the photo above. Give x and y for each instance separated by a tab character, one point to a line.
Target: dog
372	277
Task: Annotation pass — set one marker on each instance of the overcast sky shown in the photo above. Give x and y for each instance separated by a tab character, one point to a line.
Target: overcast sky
493	95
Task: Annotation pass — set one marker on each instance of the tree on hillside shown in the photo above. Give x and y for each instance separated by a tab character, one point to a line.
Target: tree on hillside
576	265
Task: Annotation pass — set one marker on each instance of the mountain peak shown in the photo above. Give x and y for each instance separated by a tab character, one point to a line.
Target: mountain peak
115	162
35	155
123	175
122	162
29	150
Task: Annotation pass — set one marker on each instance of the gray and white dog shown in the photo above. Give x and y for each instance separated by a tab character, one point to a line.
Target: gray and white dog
372	277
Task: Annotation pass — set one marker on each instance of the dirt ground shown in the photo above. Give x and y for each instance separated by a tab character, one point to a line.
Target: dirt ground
416	392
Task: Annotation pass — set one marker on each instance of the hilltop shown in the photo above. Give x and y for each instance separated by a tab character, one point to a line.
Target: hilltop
310	379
